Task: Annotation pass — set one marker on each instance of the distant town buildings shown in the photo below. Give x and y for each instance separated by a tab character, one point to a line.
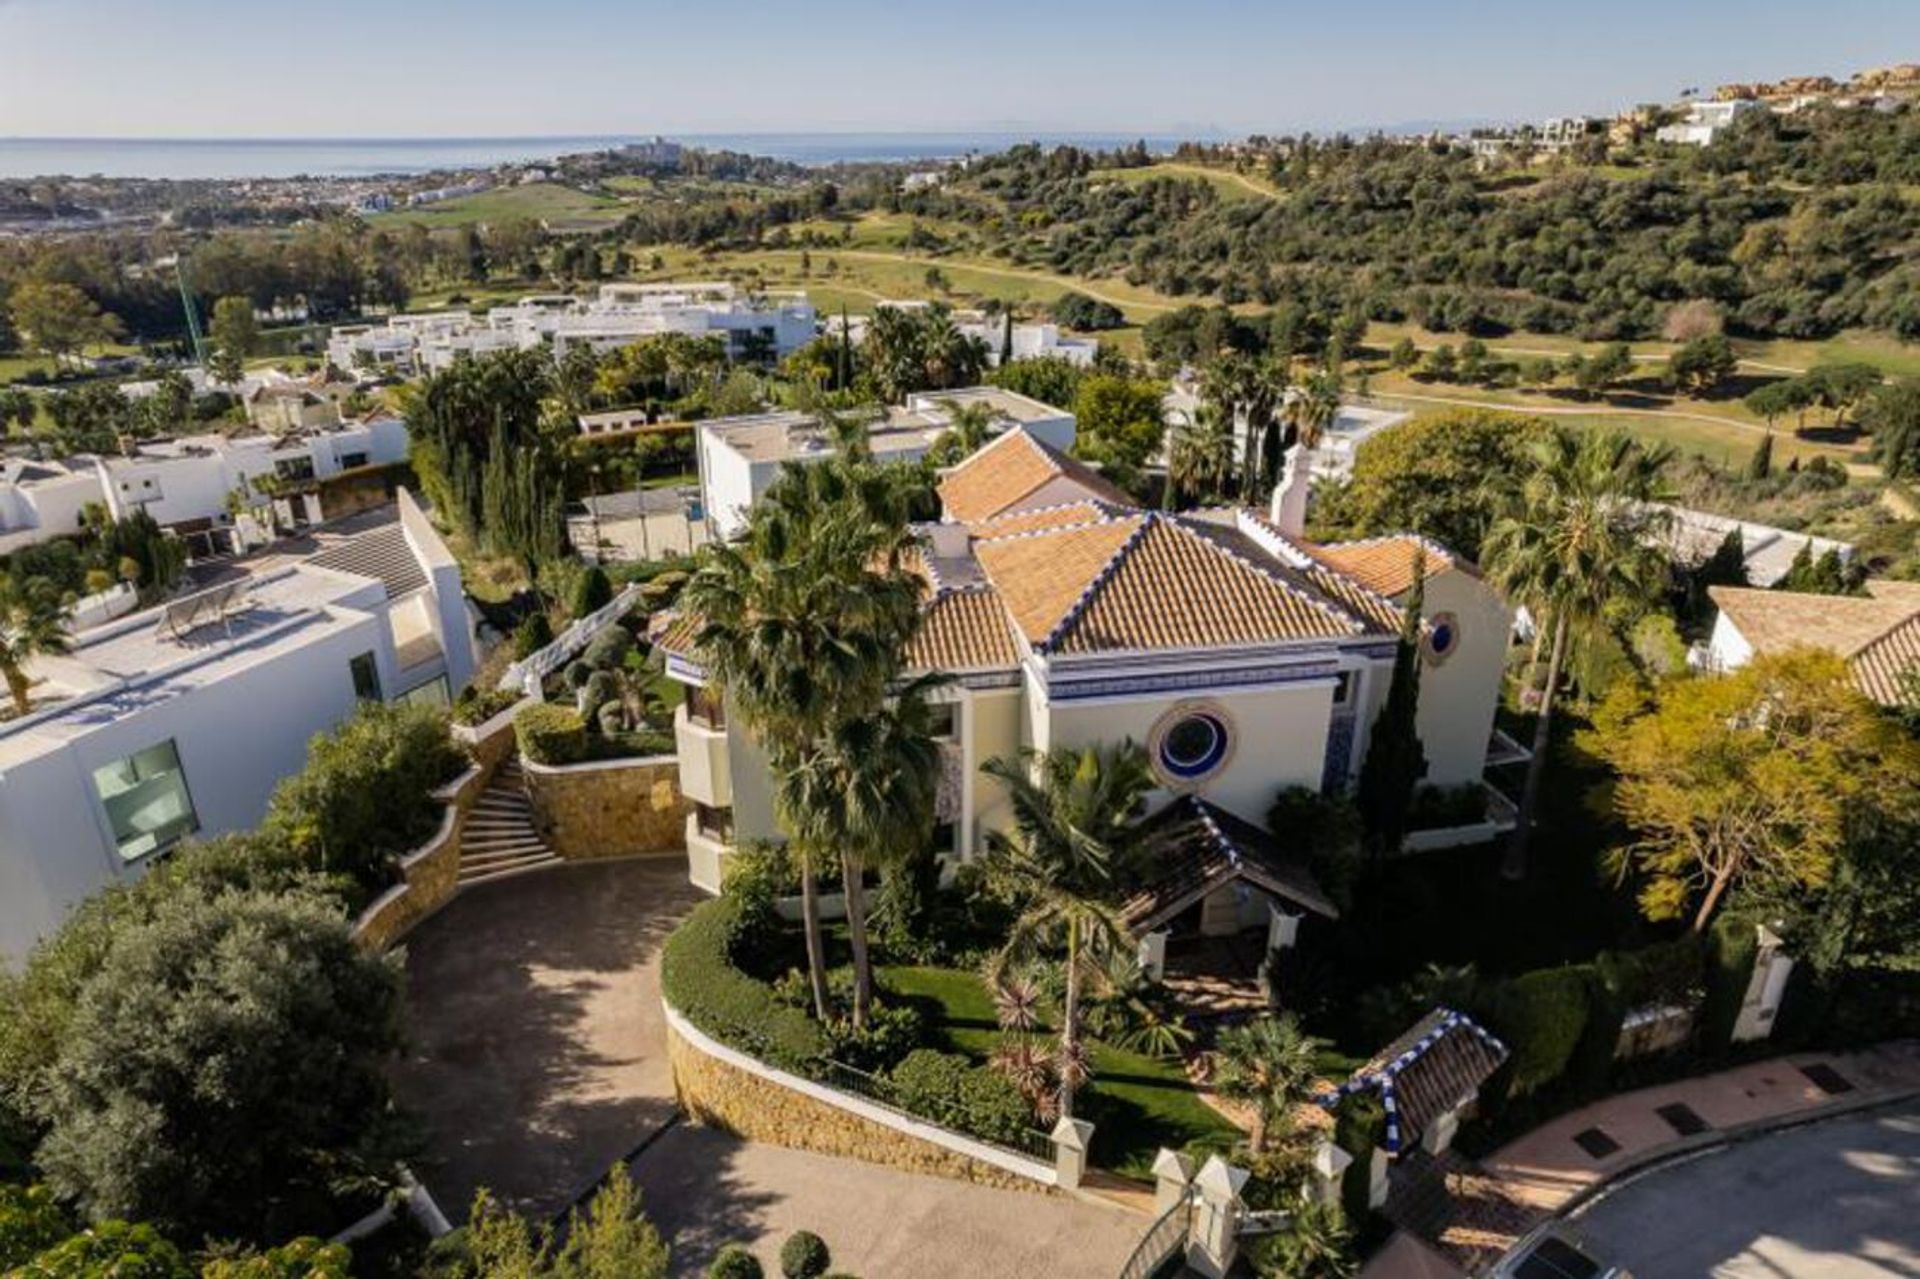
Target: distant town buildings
1705	121
755	326
1025	340
655	154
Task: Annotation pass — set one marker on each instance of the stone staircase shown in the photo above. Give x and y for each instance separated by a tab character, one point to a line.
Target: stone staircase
500	839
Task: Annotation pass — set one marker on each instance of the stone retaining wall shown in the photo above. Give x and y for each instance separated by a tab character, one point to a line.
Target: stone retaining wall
721	1086
609	808
429	874
491	742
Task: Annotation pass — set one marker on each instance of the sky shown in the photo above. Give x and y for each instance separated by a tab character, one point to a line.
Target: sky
488	68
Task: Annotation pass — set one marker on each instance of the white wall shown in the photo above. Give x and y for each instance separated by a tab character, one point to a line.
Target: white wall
1727	648
1458	696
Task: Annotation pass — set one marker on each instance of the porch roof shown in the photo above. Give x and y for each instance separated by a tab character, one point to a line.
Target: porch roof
1197	847
1437	1065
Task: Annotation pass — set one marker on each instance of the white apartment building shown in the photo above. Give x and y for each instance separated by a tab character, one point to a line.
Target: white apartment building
1704	122
1028	341
180	720
740	457
773	325
40	501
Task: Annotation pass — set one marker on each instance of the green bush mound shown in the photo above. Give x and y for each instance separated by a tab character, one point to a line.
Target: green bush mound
735	1262
953	1092
804	1256
549	734
701	980
1540	1015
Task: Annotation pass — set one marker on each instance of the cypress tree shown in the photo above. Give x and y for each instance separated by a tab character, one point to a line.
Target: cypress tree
1006	340
1760	465
1396	761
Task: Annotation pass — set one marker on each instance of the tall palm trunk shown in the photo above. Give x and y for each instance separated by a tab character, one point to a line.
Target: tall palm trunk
19	688
1515	865
816	947
852	875
1070	1021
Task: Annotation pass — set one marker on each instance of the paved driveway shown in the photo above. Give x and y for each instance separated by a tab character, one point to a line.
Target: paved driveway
536	1052
1833	1200
537	1058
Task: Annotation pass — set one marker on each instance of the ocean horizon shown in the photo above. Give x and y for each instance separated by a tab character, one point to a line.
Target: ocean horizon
240	158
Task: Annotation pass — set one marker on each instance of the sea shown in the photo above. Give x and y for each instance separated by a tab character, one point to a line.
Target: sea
235	158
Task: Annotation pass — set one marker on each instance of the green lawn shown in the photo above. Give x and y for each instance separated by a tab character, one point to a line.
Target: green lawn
541	201
1138	1104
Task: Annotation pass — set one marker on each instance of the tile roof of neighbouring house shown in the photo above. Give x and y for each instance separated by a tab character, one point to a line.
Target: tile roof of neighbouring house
1016	472
1384	564
1439	1063
963	630
1197	847
1877	634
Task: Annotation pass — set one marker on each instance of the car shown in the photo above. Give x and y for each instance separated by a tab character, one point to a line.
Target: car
1555	1252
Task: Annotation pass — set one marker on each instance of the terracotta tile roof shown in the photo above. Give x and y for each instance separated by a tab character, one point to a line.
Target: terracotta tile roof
1441	1061
673	633
1151	581
1195	847
1041	518
1878	633
1017	472
963	630
1383	564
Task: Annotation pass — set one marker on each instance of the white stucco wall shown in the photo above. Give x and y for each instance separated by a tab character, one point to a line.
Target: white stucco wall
1727	648
1458	696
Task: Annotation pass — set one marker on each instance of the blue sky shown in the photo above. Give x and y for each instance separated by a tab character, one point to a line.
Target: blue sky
362	68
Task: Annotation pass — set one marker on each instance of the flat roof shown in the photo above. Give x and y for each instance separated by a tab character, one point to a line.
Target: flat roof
779	437
1011	404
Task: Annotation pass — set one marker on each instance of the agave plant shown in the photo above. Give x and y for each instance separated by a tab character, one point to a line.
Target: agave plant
1016	1001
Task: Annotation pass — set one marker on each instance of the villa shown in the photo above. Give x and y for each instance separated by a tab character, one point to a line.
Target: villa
1876	634
1242	656
739	457
181	719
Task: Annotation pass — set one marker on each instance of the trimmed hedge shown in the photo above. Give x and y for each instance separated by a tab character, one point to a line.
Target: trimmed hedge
1540	1015
735	1262
1360	1125
700	980
549	734
953	1092
1732	947
804	1256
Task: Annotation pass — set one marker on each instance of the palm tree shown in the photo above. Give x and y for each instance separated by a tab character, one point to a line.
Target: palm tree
1581	534
804	622
1062	863
1269	1063
33	621
869	791
968	427
1200	455
1310	409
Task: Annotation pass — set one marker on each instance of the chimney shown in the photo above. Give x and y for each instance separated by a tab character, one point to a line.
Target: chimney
1289	509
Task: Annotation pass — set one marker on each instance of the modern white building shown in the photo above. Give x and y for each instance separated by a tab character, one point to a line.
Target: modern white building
1243	657
1767	552
1028	340
770	325
189	484
739	457
1704	121
40	501
180	720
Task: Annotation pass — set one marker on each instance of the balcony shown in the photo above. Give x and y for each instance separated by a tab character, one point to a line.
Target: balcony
706	776
707	851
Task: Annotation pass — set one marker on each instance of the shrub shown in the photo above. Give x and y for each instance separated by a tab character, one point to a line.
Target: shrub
1360	1125
366	794
591	591
224	1068
610	718
1540	1016
804	1256
735	1262
700	977
111	1250
532	635
578	673
891	1032
952	1091
549	734
601	687
304	1258
1732	946
474	707
30	1223
608	650
759	871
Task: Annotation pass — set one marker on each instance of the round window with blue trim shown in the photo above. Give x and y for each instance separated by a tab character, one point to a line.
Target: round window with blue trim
1193	746
1443	636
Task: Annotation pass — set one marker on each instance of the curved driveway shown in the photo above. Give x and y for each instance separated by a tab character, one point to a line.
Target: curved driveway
1839	1199
537	1058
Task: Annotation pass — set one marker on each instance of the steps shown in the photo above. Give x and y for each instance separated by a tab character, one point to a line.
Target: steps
499	839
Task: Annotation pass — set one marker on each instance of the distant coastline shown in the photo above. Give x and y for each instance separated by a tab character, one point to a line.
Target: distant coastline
239	158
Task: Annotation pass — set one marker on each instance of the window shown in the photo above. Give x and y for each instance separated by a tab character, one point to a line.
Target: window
1443	636
943	721
1191	744
293	468
366	678
705	707
146	798
1343	688
348	461
715	823
432	693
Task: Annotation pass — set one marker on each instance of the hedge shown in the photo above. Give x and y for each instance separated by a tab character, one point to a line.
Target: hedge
1540	1016
953	1092
699	979
550	734
1732	947
1360	1126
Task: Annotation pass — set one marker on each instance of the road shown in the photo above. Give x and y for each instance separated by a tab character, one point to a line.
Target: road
1833	1200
